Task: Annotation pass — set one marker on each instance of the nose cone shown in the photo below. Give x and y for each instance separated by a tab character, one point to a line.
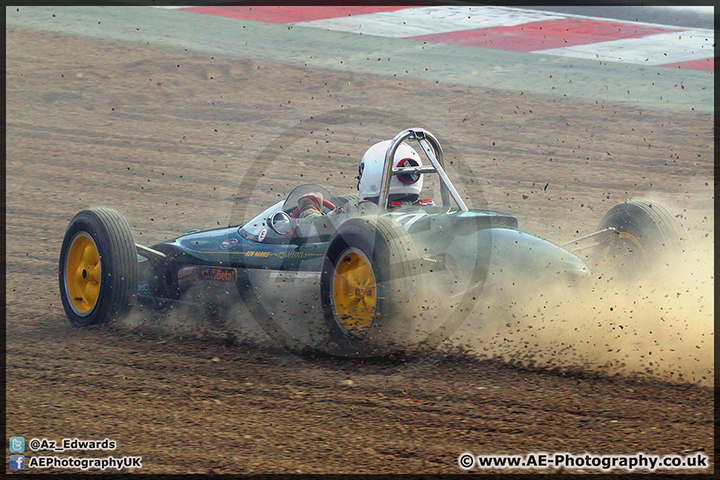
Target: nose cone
525	258
576	274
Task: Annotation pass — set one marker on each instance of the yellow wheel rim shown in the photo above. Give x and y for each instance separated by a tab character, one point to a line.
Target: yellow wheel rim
624	244
82	274
354	291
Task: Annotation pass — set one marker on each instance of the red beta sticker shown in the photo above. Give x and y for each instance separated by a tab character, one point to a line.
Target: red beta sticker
262	235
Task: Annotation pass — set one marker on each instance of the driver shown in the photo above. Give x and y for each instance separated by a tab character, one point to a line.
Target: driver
404	189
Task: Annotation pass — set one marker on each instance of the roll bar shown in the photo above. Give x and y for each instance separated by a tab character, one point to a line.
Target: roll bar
434	153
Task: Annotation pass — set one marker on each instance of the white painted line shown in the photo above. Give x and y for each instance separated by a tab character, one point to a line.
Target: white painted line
610	20
413	22
655	49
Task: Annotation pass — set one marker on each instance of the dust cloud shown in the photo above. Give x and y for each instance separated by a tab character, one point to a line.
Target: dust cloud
229	324
659	327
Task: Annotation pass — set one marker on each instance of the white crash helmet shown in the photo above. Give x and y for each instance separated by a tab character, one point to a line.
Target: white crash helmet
371	167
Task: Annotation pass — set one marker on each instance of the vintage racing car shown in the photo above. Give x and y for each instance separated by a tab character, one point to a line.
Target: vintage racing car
361	279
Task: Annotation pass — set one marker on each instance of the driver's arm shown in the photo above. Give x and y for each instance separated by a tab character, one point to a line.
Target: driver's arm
310	205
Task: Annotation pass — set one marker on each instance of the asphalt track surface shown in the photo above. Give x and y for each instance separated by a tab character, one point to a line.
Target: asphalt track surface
679	90
97	116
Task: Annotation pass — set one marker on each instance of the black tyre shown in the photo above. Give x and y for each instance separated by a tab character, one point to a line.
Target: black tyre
348	203
98	268
370	287
345	199
647	235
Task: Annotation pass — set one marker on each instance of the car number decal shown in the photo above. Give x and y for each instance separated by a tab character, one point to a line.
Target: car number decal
263	234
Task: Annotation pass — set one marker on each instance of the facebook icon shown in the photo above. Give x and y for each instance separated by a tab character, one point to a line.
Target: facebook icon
17	462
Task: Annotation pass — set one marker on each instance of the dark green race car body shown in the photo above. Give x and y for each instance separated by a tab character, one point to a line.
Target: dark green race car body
361	279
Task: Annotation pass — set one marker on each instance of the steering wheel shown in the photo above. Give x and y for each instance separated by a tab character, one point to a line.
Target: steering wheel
326	204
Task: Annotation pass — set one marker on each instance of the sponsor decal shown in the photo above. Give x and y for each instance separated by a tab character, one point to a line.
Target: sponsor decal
258	254
220	274
230	242
300	254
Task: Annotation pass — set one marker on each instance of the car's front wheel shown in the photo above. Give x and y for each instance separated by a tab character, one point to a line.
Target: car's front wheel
98	272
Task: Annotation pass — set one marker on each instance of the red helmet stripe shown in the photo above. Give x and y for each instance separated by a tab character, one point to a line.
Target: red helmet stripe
408	179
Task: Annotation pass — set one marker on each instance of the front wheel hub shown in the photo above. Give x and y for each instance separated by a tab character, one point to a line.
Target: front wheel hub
83	272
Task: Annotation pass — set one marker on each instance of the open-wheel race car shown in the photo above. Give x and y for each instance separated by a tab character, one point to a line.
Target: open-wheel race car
356	275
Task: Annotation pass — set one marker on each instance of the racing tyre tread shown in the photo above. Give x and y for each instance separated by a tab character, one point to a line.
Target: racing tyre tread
349	198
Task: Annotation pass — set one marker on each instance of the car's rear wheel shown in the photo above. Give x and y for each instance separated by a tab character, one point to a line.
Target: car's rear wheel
646	235
370	288
98	271
349	200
